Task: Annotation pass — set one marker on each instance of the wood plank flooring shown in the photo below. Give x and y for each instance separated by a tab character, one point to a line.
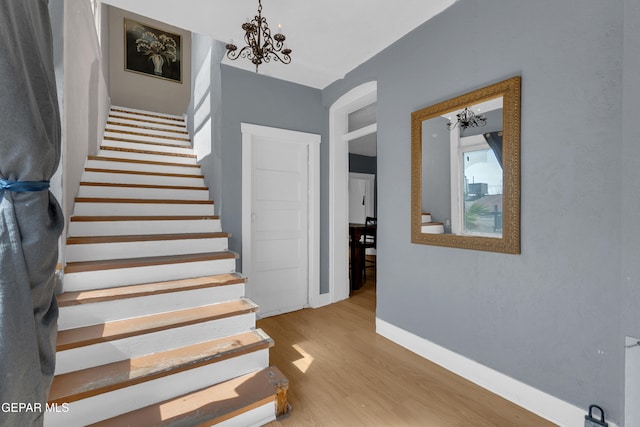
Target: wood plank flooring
341	373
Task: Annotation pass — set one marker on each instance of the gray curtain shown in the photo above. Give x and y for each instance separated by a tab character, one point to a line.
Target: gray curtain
494	139
30	217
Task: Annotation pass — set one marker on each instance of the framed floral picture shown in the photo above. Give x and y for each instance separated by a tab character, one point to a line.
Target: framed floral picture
151	51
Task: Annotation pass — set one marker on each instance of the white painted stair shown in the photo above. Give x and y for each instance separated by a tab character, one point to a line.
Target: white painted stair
154	328
430	227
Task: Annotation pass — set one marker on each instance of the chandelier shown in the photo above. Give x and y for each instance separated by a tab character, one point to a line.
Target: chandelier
468	119
261	47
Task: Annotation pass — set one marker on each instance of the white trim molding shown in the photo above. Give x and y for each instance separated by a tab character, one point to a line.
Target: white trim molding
353	100
538	402
312	141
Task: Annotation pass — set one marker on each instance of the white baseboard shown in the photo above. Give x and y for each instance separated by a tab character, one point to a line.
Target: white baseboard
551	408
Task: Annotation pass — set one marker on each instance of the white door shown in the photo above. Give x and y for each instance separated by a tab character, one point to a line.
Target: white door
360	197
277	259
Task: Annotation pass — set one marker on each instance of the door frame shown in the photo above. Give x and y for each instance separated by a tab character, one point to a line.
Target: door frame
312	141
339	137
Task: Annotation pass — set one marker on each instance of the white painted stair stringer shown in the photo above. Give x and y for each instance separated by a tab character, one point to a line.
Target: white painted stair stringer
107	405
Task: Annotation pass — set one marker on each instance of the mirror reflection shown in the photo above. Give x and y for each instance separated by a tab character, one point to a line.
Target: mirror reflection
465	177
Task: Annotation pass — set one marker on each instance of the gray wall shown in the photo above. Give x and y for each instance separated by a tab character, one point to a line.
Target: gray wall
129	89
630	182
248	97
551	316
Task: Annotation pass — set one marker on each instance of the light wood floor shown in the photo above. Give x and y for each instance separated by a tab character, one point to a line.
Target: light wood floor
342	373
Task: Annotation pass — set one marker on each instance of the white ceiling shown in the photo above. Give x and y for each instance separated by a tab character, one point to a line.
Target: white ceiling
328	38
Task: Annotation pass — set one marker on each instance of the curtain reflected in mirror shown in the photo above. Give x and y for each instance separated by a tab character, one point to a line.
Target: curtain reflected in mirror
465	170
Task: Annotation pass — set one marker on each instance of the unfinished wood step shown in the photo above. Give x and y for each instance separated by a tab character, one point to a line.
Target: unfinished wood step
100	225
122	272
128	118
88	346
146	155
140	207
89	307
129	126
172	153
130	327
148	134
91	248
141	191
114	176
263	399
156	140
69	299
116	141
127	111
106	391
114	163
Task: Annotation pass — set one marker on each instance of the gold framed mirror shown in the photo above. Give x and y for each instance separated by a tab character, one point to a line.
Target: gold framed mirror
465	170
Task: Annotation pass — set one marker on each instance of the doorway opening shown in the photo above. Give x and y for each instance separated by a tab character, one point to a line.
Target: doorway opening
355	100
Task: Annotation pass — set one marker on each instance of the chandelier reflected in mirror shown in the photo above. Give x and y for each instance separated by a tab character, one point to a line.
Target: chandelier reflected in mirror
468	119
261	47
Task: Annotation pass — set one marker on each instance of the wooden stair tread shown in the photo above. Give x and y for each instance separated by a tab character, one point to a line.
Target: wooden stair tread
148	135
146	162
85	240
146	114
154	128
84	266
433	223
136	126
77	385
118	171
119	329
142	201
67	299
108	218
154	153
145	186
220	402
137	141
115	115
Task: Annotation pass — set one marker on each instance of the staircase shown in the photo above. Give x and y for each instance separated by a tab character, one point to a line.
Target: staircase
154	328
430	227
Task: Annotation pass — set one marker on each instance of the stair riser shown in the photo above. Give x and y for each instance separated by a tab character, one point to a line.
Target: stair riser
141	209
114	351
141	193
142	114
143	167
130	276
76	316
174	140
105	251
118	128
160	157
127	178
123	228
118	118
117	402
160	148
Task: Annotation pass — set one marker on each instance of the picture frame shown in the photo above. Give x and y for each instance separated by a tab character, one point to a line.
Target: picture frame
152	51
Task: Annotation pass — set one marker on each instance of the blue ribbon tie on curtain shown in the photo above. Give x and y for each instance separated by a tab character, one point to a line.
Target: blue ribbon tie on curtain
21	186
